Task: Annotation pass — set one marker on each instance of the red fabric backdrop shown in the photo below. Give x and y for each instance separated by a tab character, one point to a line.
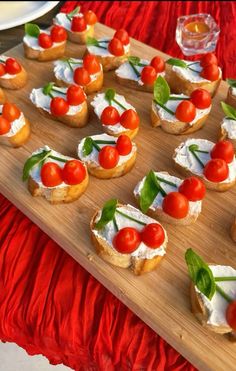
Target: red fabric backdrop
48	303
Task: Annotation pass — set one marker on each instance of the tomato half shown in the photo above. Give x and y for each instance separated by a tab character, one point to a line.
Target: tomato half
185	111
223	149
123	36
81	76
210	72
91	64
130	119
158	63
78	24
207	59
5	125
90	17
58	34
126	240
10	111
193	188
116	47
148	75
75	95
12	66
110	116
108	157
201	98
59	106
73	172
45	40
51	174
216	170
124	145
176	205
153	235
231	315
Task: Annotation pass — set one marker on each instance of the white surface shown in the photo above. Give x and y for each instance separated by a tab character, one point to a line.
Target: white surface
15	13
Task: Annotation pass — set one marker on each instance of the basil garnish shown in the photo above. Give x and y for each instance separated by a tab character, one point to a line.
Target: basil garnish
32	30
161	90
229	111
177	62
108	213
32	161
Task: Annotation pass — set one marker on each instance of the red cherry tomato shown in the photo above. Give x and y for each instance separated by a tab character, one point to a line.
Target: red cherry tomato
153	235
73	172
78	24
129	119
2	69
216	170
91	64
124	145
90	17
10	112
158	63
185	111
58	34
207	59
176	205
223	149
45	40
5	125
51	174
75	95
148	75
12	66
123	36
126	240
59	106
193	188
210	72
108	157
231	315
81	76
201	98
116	47
110	116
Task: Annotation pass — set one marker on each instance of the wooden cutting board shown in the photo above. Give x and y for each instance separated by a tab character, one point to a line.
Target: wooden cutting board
160	298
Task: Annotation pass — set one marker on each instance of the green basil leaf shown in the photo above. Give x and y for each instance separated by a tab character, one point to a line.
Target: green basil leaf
48	88
87	146
161	90
231	82
32	29
91	41
134	60
177	62
32	161
229	110
108	213
110	95
148	192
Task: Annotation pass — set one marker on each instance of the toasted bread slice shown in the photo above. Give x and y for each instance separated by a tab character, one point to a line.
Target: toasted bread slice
231	98
134	85
2	96
16	82
19	139
45	55
91	88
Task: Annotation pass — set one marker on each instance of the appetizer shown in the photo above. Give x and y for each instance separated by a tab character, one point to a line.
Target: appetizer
54	176
86	72
106	156
178	113
231	97
67	105
215	164
44	45
186	76
125	237
14	126
12	73
170	199
2	96
111	52
77	25
213	294
116	114
228	124
139	73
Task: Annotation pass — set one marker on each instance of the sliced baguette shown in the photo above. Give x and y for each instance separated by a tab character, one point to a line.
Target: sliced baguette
45	55
231	99
16	82
19	139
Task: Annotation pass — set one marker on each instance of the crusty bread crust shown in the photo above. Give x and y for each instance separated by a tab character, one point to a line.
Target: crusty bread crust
223	135
110	62
19	139
2	96
45	55
130	133
16	82
231	99
134	85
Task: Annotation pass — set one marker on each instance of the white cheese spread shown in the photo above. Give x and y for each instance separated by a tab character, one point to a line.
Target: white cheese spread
190	75
229	126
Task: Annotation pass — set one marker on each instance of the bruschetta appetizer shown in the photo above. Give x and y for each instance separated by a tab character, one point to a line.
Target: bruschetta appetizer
2	96
44	45
178	113
86	72
170	199
125	237
14	126
228	124
77	25
213	295
67	105
186	76
231	96
140	74
106	156
116	114
215	164
54	176
111	52
12	73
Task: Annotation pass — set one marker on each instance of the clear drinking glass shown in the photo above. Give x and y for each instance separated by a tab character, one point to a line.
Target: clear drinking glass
197	34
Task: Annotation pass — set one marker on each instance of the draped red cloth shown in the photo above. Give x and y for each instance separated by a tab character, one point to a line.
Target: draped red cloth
48	303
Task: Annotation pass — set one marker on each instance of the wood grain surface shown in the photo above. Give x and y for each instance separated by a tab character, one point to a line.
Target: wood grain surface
160	298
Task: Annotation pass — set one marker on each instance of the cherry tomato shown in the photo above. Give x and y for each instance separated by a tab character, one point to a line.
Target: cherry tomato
81	76
45	40
153	235
12	66
148	75
59	106
216	170
116	47
207	59
10	112
75	95
185	111
58	34
51	174
73	172
158	63
176	205
90	17
91	64
108	157
78	24
123	36
2	69
231	315
124	145
210	72
126	240
223	149
201	98
5	125
193	188
129	119
110	116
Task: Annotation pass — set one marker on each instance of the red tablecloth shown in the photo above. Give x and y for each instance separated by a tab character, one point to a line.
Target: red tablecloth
48	303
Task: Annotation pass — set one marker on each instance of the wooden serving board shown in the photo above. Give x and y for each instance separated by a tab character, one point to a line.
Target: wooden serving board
160	298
